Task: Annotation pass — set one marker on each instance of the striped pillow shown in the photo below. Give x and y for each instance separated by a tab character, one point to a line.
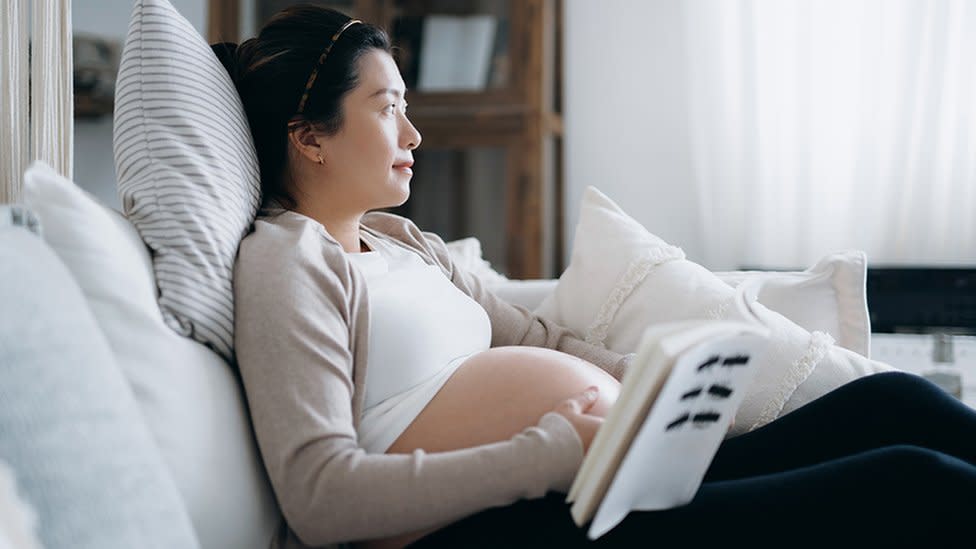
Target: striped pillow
187	169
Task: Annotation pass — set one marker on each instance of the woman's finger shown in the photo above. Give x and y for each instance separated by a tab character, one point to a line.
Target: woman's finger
579	403
588	397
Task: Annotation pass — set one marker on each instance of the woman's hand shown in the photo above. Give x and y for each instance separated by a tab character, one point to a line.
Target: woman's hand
575	409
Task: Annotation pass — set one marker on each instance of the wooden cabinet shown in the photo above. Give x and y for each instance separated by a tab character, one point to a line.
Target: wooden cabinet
488	110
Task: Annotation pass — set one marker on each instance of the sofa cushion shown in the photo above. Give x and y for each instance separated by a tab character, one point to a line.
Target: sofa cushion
18	519
623	279
187	170
190	397
71	430
831	296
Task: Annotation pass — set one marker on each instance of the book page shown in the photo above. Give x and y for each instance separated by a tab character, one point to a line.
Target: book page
638	389
668	458
657	353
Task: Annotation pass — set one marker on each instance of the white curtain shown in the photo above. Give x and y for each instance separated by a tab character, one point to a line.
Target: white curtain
52	121
820	125
36	122
14	147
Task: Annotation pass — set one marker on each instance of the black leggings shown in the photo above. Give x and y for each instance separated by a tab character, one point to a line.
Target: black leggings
888	459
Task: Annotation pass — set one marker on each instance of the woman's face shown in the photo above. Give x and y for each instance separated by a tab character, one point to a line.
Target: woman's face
370	157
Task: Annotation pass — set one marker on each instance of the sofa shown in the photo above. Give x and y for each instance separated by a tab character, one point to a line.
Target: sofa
123	422
118	431
101	447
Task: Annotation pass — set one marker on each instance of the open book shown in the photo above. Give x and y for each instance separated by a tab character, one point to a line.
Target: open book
676	402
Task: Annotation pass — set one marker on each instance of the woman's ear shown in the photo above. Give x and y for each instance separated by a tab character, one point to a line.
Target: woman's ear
305	140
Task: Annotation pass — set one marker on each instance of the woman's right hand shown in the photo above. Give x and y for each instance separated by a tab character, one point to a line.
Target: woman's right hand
575	409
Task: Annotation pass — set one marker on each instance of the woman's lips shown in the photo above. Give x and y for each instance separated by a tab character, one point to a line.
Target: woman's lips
406	167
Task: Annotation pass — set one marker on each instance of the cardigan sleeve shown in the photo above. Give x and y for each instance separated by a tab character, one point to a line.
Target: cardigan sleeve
296	320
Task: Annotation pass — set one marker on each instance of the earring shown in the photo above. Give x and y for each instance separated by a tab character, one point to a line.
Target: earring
320	160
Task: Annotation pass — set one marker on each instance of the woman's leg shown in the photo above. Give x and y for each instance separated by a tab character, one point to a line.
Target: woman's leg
883	497
871	412
893	496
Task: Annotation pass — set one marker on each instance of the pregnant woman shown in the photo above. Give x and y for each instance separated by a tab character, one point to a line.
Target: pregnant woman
396	401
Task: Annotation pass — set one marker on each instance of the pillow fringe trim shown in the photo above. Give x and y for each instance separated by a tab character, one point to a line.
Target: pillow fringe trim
634	274
799	371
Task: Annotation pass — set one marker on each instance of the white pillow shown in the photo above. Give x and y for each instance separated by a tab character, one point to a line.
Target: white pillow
18	519
69	423
466	252
187	169
622	279
830	297
191	399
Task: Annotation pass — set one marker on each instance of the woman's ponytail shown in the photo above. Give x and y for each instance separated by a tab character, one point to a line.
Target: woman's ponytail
227	54
232	56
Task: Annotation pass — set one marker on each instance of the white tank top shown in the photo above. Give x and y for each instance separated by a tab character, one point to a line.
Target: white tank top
421	328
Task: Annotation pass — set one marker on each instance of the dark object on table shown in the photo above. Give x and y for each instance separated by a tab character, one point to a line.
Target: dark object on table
922	299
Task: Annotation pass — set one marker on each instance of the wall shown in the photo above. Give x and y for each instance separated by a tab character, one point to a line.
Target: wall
621	77
94	163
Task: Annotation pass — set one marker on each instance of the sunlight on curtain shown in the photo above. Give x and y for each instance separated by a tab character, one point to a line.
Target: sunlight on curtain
818	126
36	90
52	91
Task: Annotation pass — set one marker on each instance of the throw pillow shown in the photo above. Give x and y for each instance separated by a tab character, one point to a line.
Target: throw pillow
71	431
622	279
187	169
191	399
18	520
830	296
466	253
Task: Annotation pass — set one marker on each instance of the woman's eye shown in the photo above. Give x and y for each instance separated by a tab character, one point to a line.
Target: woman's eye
392	107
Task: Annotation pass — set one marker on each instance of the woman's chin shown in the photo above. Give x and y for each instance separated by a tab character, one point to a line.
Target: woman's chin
393	196
403	193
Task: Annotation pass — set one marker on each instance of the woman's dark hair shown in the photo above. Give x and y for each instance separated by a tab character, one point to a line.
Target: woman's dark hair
271	70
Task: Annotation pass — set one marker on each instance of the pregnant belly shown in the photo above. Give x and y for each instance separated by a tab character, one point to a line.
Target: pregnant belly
493	396
497	393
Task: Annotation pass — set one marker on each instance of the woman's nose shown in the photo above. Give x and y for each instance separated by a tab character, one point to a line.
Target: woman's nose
411	136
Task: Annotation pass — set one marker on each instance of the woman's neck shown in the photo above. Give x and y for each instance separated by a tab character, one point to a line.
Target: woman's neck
344	228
